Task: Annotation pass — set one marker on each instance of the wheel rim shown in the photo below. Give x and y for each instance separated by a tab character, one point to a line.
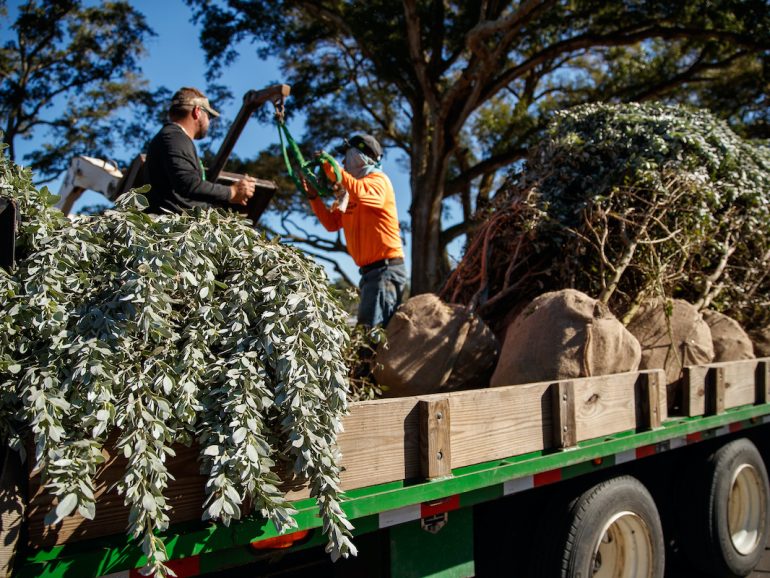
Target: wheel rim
624	549
746	509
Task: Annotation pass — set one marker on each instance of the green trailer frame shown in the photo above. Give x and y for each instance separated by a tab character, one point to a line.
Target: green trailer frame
403	506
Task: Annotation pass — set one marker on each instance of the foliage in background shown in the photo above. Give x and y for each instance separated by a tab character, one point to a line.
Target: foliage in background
66	71
359	356
465	88
625	202
166	330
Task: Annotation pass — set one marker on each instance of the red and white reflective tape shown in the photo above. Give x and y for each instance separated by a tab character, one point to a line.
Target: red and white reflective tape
672	444
529	482
417	511
544	478
183	568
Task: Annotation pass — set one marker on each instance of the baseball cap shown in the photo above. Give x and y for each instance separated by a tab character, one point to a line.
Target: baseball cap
182	100
366	143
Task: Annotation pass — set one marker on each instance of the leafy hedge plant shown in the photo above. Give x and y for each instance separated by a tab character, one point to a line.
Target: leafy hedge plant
625	202
164	330
658	199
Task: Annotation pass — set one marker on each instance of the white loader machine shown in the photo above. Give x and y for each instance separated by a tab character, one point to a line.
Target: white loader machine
88	173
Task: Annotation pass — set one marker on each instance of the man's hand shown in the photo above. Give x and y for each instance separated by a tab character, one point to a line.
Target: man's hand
241	191
329	165
310	191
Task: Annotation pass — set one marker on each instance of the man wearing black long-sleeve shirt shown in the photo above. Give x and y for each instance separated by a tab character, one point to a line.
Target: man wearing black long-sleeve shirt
172	167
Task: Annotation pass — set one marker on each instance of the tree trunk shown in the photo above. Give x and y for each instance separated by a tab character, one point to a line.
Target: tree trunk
426	228
428	170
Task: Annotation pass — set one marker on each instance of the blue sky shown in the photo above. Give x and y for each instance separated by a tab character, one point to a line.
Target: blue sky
174	59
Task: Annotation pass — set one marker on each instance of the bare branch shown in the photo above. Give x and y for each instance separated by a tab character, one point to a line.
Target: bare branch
337	268
689	75
339	26
416	55
510	24
457	230
621	37
484	63
484	167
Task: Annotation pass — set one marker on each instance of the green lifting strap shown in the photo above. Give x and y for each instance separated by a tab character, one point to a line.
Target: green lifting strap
309	170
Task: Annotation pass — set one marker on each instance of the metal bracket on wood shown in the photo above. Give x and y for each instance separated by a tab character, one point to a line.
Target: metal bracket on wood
648	399
435	445
763	381
694	390
564	428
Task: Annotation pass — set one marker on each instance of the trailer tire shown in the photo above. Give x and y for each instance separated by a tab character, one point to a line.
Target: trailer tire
612	529
736	527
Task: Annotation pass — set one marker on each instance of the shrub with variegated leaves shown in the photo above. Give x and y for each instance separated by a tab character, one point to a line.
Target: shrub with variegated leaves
168	329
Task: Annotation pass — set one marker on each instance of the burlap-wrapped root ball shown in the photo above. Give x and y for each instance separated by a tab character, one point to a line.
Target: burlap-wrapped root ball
434	347
731	342
761	340
672	341
562	335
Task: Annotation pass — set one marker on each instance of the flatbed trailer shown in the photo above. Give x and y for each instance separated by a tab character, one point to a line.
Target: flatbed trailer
525	480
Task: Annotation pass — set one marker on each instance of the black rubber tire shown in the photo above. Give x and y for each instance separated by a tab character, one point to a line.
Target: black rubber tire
711	547
572	543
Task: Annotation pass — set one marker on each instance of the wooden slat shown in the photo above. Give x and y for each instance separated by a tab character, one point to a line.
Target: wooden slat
716	387
563	400
435	443
740	382
605	405
662	395
12	509
185	496
381	442
490	424
500	422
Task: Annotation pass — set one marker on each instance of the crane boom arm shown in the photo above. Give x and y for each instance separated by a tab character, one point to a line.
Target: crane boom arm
252	100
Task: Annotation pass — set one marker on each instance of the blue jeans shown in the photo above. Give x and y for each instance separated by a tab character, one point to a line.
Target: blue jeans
381	292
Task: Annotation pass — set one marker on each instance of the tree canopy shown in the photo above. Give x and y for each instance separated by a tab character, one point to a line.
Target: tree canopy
65	71
465	88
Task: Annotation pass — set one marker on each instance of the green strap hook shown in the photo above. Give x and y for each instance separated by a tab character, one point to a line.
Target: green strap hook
309	170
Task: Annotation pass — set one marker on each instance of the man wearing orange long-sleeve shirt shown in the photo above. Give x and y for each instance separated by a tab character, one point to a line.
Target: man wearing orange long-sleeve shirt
366	212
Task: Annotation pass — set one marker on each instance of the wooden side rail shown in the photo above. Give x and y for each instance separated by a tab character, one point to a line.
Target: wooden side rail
410	438
713	388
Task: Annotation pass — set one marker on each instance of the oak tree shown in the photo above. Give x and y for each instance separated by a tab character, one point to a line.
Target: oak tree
67	70
464	88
